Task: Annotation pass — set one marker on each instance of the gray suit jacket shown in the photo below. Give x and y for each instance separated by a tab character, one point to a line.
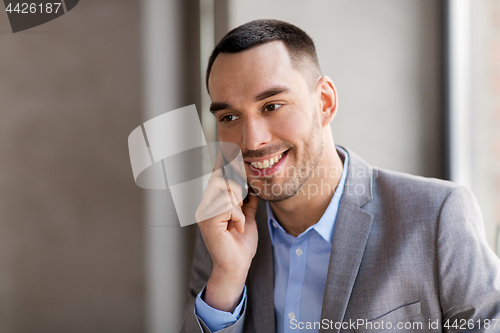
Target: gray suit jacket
406	249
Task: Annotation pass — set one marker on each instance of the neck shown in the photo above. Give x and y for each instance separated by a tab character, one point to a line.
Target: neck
306	207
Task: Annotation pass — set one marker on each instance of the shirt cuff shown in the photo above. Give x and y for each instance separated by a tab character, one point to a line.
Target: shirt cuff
214	319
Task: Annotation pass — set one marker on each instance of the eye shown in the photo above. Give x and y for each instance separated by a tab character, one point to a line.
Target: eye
272	107
229	118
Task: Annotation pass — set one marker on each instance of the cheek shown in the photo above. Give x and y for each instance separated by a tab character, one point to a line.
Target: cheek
293	126
229	134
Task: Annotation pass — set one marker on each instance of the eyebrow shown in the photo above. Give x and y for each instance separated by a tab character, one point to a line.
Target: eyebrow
271	92
217	106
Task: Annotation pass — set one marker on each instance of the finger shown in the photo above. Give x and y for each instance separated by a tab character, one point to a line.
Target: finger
211	196
217	174
230	225
219	198
220	185
250	208
218	206
236	190
217	185
238	219
233	193
221	222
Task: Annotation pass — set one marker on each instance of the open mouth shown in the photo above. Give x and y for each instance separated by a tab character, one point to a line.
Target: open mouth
267	163
269	166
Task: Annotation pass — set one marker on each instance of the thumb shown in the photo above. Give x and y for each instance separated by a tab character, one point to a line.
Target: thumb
250	208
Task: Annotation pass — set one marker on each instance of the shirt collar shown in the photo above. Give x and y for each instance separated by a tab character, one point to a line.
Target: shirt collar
325	225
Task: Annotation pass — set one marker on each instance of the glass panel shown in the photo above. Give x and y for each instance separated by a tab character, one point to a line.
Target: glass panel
486	113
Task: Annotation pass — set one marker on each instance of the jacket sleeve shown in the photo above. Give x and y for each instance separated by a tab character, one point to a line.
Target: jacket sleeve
469	271
200	272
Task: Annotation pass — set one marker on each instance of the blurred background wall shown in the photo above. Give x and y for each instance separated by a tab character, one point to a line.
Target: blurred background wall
82	248
485	114
72	236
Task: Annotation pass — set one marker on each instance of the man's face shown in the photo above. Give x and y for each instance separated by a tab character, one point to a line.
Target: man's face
270	110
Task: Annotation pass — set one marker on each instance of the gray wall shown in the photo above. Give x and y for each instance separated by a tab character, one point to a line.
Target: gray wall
71	217
384	58
171	80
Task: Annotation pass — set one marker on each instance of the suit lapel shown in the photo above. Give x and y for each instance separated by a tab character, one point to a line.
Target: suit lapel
260	282
352	228
351	233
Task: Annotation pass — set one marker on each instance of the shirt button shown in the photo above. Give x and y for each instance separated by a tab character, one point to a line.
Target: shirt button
291	315
275	224
299	251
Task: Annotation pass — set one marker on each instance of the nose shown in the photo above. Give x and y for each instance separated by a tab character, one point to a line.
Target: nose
256	133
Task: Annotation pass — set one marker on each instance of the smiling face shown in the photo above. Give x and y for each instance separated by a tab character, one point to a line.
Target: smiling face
271	110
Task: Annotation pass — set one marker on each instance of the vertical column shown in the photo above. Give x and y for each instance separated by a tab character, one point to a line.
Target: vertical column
459	91
165	85
494	109
207	28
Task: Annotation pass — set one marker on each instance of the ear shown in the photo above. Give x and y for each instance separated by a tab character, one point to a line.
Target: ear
327	94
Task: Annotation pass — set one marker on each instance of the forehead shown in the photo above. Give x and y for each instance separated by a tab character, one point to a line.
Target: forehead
246	73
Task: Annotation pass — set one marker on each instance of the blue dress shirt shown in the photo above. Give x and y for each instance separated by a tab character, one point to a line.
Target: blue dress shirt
300	271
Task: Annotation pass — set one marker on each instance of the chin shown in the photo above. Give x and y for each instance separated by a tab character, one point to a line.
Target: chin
273	191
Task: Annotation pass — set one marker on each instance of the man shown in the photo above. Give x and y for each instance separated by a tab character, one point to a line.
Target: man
332	244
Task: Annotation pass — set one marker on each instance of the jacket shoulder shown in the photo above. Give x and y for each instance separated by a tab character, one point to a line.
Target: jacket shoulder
411	195
401	183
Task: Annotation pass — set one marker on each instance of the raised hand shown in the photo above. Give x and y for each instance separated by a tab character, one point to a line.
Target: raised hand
230	234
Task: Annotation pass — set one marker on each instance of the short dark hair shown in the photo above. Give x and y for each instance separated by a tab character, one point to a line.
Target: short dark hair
298	44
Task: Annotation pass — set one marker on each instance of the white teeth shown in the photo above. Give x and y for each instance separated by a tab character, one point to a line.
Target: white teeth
267	163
